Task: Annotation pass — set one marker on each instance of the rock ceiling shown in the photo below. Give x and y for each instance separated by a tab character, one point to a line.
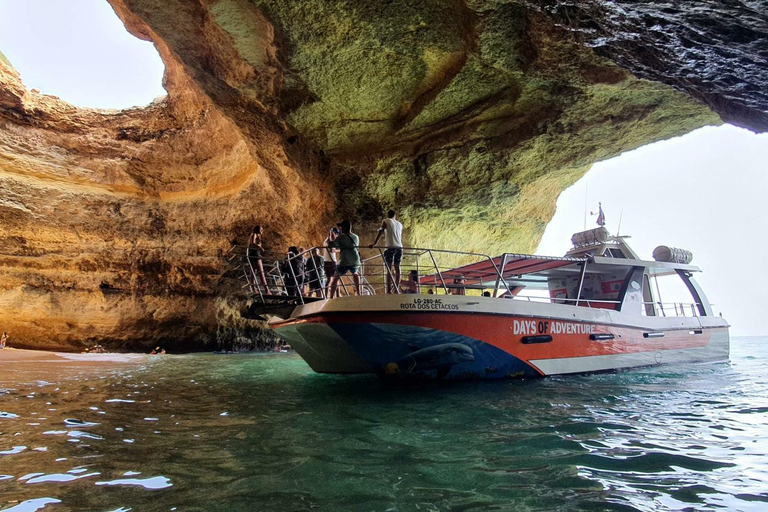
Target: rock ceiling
468	117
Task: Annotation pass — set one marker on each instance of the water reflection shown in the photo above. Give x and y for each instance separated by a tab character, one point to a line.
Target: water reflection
213	432
32	505
158	482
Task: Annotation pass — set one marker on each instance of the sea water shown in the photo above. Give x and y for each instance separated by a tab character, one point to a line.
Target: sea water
263	432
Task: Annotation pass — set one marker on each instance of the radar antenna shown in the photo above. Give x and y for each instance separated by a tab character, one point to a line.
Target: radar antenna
618	229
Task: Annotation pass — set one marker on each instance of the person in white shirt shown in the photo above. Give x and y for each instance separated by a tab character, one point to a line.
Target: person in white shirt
394	249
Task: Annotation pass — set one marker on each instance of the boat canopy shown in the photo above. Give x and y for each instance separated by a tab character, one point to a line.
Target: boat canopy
514	265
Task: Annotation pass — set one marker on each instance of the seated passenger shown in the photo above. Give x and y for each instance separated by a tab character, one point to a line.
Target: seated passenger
412	284
458	286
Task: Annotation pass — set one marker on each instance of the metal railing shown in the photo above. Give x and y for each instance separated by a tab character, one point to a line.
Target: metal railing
294	276
674	309
300	283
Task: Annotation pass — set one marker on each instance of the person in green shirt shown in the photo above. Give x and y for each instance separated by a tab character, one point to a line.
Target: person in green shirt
349	257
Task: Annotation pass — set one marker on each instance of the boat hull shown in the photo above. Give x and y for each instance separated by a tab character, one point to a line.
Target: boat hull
483	343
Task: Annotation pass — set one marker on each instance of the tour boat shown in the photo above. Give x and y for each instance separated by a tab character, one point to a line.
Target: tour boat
598	308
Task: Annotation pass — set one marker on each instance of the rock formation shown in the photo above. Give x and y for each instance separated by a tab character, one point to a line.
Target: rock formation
468	117
713	50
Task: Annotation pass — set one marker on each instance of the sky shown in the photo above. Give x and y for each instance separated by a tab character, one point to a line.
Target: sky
705	191
79	51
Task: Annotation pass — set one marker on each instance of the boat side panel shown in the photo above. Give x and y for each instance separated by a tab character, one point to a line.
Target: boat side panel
322	348
484	306
570	350
419	352
715	350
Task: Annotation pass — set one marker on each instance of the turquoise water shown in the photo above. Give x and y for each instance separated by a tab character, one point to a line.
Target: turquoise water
262	432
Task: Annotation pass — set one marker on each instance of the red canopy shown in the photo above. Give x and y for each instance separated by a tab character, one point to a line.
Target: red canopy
484	271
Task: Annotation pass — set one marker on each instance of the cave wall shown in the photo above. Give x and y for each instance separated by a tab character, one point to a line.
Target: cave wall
715	51
468	117
115	224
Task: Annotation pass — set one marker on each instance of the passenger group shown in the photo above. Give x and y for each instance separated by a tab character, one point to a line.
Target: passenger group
319	271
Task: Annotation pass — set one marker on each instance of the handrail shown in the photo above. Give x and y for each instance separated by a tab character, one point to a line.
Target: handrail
280	270
374	273
678	307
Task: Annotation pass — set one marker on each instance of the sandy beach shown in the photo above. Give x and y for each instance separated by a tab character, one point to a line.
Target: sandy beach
10	355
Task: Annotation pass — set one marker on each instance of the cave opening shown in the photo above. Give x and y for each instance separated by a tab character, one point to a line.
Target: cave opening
704	191
81	52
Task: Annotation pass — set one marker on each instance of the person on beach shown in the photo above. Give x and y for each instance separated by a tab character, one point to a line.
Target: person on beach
329	255
393	253
316	273
4	340
255	253
349	257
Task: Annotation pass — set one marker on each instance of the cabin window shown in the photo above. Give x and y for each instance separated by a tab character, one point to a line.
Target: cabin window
599	290
649	309
615	253
672	296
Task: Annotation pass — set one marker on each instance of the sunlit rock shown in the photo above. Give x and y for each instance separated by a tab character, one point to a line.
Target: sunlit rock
469	118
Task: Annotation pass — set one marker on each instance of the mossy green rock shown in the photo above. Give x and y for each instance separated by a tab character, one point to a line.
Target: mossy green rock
469	118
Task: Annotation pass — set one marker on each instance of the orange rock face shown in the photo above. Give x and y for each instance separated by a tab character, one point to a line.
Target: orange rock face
115	224
469	119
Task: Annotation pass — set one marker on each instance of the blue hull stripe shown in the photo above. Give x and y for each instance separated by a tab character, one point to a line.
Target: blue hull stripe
418	352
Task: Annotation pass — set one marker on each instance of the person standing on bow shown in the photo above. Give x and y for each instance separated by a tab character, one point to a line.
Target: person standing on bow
329	255
393	253
255	253
293	272
349	257
315	272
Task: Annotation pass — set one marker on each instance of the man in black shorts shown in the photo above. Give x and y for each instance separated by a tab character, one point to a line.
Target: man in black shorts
394	249
329	255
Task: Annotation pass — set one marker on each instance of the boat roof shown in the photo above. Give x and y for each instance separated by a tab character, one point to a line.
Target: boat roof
517	265
514	265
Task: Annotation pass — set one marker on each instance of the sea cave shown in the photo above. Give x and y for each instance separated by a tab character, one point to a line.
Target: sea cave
468	117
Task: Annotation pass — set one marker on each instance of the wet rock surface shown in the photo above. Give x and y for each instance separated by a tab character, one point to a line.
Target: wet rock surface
467	117
716	51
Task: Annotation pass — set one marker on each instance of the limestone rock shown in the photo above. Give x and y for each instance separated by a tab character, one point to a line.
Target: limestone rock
468	117
715	51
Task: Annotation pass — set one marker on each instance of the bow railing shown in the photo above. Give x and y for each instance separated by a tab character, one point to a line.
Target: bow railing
298	276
